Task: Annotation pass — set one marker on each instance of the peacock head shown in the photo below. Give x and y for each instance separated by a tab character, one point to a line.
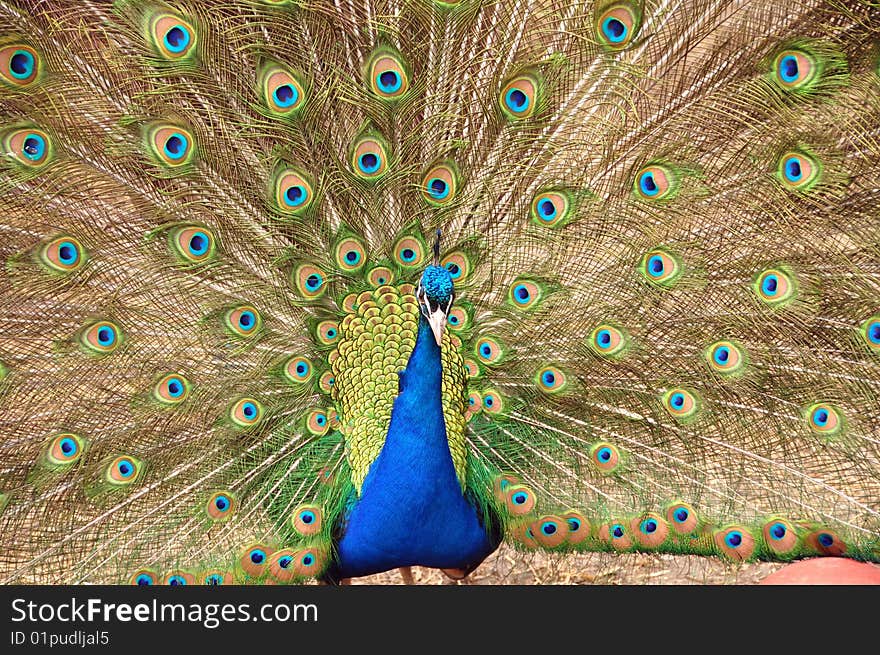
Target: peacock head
435	294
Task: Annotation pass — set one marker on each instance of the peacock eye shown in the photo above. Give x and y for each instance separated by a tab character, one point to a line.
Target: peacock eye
519	97
172	37
293	191
19	64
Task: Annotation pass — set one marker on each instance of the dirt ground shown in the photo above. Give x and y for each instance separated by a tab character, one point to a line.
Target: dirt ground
510	567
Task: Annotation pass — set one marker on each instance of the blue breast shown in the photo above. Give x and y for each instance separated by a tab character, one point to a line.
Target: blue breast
411	509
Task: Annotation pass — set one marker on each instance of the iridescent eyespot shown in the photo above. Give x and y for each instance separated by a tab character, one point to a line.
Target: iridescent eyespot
220	506
524	294
310	281
102	337
608	341
173	37
327	332
387	75
306	520
659	267
255	558
550	531
824	418
215	578
493	402
774	287
735	542
193	244
870	331
798	170
317	422
780	536
327	381
794	69
489	351
578	527
681	403
171	145
826	542
654	183
309	562
351	254
19	64
123	471
471	368
293	191
650	530
283	94
179	578
617	25
65	449
519	97
243	321
616	534
605	456
171	389
551	208
440	183
29	147
682	517
475	402
457	319
369	158
380	276
298	369
246	412
459	266
409	252
551	380
725	357
63	254
144	578
519	499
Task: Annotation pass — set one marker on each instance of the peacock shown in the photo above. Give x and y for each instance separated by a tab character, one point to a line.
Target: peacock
307	290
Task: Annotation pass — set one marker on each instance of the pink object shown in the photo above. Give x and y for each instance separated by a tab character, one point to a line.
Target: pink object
825	571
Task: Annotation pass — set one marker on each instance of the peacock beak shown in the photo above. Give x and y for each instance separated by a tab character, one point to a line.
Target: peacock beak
437	321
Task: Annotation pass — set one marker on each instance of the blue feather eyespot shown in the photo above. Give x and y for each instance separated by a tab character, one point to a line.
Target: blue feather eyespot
735	542
283	93
824	418
655	182
369	158
774	287
63	254
101	338
519	97
870	332
171	146
173	38
457	319
616	25
123	471
309	562
682	404
293	191
29	147
215	578
489	351
221	505
551	208
519	499
387	74
650	530
307	520
350	254
409	252
193	244
317	422
660	267
310	281
298	369
459	266
19	64
826	542
243	321
64	450
246	412
327	333
605	456
440	184
550	531
616	534
171	389
798	170
551	379
780	536
144	578
681	517
254	559
578	527
281	564
380	276
493	402
525	294
794	69
608	341
726	358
